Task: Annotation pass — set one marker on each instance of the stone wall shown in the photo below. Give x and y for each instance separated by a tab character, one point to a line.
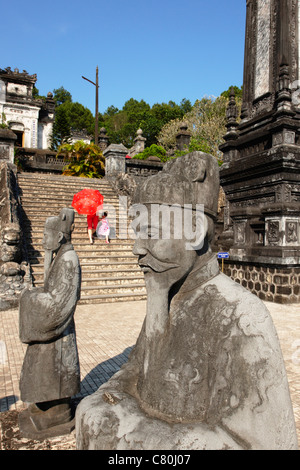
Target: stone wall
273	284
43	161
7	143
14	268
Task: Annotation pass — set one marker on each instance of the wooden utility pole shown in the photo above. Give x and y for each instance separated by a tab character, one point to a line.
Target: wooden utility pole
96	110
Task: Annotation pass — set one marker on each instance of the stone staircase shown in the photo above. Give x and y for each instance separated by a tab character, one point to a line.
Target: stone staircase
110	273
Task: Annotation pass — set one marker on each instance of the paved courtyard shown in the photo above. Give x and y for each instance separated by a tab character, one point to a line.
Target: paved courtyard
105	336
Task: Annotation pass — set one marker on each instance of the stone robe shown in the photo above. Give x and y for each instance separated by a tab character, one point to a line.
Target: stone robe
213	379
51	365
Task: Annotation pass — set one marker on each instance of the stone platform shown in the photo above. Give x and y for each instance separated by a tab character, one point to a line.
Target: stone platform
105	336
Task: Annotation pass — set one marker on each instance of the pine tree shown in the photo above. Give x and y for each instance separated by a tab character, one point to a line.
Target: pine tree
61	133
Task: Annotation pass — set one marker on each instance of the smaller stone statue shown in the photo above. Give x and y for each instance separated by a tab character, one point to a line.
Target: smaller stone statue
50	375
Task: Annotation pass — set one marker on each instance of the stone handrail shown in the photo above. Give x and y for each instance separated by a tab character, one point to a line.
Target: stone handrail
40	160
14	268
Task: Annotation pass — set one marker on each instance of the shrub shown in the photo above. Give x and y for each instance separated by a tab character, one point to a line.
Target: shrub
84	160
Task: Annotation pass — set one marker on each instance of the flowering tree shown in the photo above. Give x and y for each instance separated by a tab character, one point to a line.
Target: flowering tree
206	123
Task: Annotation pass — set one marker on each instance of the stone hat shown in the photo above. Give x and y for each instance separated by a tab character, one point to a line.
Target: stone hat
64	222
191	179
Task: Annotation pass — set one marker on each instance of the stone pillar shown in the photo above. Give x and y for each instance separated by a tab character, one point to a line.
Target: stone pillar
260	174
7	144
103	139
139	142
115	160
183	137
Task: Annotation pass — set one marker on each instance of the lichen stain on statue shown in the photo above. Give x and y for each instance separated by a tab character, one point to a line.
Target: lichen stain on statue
50	374
14	273
207	371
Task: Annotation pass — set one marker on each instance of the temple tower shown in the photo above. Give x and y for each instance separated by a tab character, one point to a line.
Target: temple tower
261	170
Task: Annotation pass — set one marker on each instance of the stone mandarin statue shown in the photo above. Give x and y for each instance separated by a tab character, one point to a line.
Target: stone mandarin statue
50	373
207	371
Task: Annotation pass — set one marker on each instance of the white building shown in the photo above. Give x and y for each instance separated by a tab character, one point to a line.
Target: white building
30	119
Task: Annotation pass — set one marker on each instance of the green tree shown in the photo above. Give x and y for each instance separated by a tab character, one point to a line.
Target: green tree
84	160
80	117
185	106
237	91
153	150
61	96
36	94
61	132
122	125
206	123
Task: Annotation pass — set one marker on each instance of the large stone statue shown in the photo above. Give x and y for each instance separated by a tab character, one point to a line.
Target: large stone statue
207	371
50	373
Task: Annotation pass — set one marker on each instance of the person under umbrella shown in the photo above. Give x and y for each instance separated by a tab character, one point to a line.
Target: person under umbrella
92	222
89	202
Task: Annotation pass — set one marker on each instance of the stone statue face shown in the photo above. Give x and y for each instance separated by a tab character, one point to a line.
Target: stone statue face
52	239
163	260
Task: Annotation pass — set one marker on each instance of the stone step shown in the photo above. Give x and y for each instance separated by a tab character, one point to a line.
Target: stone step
108	283
59	198
99	247
85	257
90	269
119	233
102	274
37	216
121	229
78	182
109	272
110	289
104	277
81	238
116	297
108	260
45	210
40	191
38	265
88	250
118	279
37	224
51	187
36	177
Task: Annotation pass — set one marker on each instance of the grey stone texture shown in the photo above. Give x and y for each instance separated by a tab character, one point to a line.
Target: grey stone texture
14	268
7	142
260	173
280	285
50	374
207	371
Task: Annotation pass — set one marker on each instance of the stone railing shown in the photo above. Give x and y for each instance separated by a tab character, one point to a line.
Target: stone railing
7	144
14	268
40	160
117	163
143	168
125	173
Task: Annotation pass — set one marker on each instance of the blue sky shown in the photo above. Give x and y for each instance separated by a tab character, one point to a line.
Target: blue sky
155	50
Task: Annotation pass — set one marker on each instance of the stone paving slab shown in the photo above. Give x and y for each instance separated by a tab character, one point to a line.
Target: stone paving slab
106	334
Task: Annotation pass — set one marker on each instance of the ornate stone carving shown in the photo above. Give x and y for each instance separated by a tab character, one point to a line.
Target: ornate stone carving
273	234
240	233
292	232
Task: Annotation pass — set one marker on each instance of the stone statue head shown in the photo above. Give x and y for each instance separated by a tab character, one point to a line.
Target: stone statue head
177	208
58	230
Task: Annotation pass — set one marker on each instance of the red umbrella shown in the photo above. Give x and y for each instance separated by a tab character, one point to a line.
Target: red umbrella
87	201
